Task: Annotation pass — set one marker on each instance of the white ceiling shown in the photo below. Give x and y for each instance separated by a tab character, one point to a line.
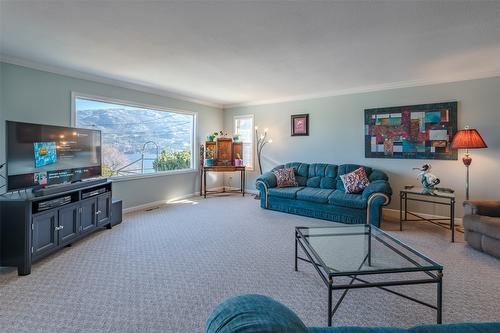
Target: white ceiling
233	52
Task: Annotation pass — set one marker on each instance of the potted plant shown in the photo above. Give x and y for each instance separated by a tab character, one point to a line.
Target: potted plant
236	137
238	161
211	137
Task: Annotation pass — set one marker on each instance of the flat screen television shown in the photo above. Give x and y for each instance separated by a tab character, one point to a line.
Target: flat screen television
44	155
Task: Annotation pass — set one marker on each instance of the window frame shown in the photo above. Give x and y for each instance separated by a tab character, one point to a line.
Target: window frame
245	116
194	148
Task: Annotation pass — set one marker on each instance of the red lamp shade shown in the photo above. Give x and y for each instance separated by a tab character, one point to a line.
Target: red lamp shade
468	138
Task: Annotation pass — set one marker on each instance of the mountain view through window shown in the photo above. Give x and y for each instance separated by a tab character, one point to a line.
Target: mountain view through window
137	140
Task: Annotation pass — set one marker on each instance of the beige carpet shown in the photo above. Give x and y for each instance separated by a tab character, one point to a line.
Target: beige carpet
165	270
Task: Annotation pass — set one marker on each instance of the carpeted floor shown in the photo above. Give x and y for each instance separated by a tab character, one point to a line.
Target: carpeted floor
164	271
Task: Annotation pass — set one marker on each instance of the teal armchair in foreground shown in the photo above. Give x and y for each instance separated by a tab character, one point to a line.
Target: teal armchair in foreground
320	193
262	314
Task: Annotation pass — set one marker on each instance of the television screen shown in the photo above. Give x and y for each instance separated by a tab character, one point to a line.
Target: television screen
40	155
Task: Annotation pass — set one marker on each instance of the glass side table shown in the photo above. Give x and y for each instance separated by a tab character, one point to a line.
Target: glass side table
436	196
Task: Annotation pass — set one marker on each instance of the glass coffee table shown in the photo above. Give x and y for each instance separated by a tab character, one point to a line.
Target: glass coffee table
363	256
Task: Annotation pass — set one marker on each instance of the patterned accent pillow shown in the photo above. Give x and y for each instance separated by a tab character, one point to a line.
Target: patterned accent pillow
285	177
355	181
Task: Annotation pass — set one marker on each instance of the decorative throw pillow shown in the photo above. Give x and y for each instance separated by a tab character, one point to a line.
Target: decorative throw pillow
355	181
285	177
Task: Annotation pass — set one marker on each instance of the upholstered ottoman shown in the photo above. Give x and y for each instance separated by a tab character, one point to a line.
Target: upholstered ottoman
482	226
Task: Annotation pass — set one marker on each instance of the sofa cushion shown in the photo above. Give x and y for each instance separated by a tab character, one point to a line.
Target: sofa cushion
285	192
252	314
347	168
313	182
340	198
314	194
285	177
328	182
322	175
301	171
356	181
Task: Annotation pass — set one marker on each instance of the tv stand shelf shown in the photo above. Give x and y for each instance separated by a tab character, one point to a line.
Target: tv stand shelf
32	227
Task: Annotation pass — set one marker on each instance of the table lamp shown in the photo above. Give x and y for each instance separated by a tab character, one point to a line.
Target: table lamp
468	138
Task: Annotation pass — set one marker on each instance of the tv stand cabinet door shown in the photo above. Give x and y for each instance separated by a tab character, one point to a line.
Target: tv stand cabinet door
103	212
44	236
69	221
87	215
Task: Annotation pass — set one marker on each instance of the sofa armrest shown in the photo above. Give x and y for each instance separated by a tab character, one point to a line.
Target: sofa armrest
482	207
267	178
377	186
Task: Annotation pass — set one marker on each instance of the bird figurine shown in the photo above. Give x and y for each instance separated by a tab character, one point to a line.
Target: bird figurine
427	179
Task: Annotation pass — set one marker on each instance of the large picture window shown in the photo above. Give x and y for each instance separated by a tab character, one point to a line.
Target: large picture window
243	125
138	140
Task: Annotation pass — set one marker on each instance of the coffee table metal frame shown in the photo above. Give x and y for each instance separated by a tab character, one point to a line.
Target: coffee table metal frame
328	274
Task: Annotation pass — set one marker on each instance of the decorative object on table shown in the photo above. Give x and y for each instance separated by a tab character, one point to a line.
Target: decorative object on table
210	153
300	124
262	140
285	177
238	151
468	138
411	132
427	179
436	197
236	137
238	161
356	181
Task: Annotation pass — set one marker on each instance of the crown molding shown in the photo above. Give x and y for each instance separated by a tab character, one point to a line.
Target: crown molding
138	86
370	88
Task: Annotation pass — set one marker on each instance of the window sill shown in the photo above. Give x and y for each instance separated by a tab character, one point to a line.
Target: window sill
118	179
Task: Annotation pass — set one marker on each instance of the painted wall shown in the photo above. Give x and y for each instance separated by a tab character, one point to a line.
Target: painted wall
337	134
40	97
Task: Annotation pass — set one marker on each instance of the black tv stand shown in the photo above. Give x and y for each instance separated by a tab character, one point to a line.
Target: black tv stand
32	227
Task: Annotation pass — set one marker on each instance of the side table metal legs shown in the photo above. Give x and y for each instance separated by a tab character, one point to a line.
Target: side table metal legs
403	205
439	309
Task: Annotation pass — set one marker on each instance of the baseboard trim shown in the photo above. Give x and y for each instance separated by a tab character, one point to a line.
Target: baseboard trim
160	203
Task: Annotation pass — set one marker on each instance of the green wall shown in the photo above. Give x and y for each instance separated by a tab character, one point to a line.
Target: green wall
337	134
41	97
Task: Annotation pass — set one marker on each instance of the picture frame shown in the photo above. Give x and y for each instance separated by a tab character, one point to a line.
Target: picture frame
423	131
300	124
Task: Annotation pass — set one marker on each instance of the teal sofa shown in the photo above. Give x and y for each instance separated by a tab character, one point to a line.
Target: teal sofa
262	314
320	193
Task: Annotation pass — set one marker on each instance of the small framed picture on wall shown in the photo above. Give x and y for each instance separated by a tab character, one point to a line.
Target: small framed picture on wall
300	124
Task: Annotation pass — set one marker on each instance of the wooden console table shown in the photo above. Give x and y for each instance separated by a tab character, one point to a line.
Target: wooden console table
220	168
